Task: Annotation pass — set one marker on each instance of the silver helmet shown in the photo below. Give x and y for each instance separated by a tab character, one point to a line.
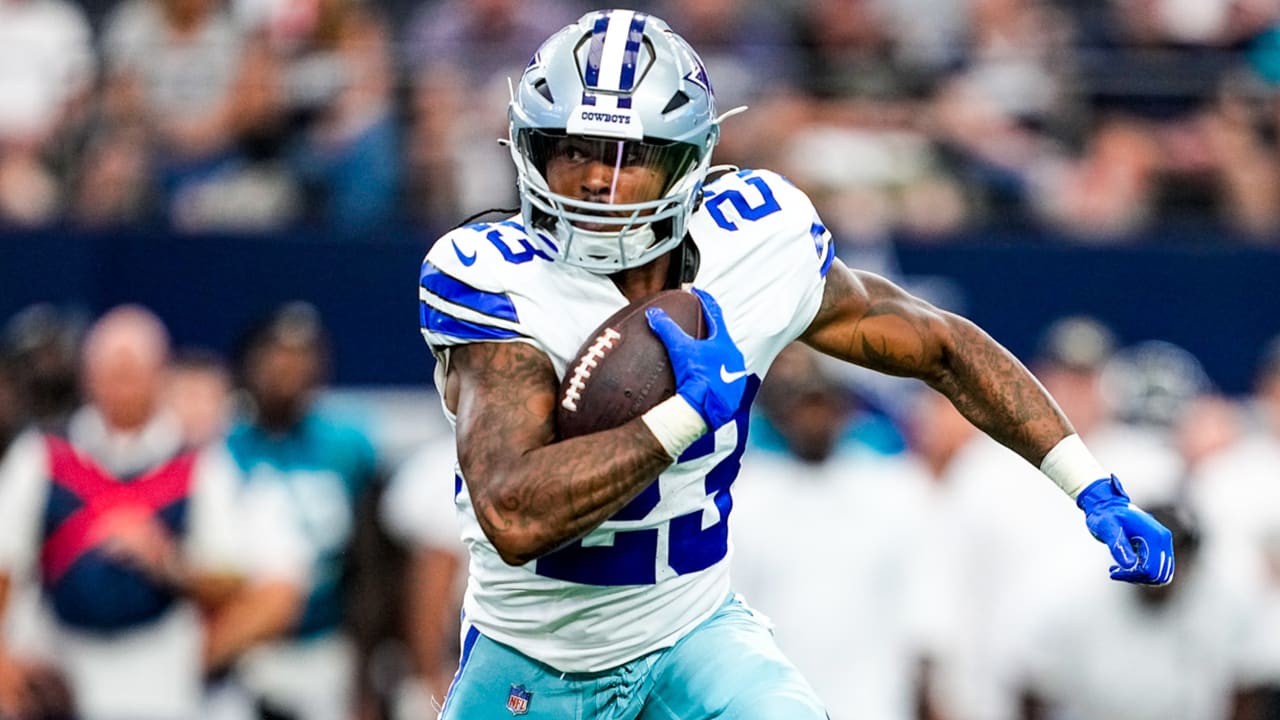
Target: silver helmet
617	89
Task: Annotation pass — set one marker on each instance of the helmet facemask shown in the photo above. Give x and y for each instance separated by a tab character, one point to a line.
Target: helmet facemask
608	174
638	194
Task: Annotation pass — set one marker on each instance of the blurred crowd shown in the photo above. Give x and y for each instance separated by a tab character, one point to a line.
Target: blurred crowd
272	557
931	574
185	535
1092	119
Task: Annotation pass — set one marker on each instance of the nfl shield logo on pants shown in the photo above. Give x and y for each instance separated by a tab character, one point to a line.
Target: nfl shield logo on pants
518	700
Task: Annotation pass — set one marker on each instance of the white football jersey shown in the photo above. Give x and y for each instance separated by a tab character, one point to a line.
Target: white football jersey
659	567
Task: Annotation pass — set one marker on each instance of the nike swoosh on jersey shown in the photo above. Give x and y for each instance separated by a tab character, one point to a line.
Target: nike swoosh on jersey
731	377
467	260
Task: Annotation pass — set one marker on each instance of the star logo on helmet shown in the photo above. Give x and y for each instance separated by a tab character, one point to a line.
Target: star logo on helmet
698	76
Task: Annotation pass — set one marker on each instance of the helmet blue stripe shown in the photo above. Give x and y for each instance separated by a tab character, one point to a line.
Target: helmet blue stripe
592	77
632	52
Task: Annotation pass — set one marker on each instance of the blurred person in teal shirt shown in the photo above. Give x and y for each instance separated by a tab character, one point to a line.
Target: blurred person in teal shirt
326	467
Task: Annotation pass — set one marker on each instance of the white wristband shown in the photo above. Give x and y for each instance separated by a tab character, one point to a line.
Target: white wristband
675	424
1072	466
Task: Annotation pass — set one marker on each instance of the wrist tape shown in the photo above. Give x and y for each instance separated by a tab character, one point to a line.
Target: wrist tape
1072	466
675	424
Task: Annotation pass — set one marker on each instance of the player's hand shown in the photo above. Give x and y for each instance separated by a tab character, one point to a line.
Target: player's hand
710	373
1141	546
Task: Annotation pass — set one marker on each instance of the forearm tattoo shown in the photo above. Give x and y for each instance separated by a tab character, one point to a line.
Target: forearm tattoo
525	487
991	388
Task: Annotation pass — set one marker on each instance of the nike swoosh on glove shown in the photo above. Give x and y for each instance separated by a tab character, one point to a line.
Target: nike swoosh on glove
711	374
1140	545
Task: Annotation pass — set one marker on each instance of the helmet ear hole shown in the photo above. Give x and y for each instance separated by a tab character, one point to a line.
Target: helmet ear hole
544	89
677	101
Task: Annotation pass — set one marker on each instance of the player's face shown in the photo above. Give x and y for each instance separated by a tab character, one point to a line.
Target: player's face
605	171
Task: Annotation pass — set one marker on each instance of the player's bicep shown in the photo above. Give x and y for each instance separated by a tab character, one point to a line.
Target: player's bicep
505	405
867	320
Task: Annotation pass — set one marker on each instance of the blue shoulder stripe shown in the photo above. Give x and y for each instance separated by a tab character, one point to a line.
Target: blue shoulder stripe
818	232
435	321
493	304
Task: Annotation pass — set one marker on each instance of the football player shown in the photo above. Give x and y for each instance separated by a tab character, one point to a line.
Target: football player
599	577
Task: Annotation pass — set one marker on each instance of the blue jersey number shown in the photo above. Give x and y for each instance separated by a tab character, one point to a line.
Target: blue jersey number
632	559
515	249
768	204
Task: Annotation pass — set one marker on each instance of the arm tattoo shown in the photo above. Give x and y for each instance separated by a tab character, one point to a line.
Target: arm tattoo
532	494
991	388
869	321
892	341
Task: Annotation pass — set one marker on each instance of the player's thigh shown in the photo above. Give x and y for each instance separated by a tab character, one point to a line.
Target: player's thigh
496	682
730	668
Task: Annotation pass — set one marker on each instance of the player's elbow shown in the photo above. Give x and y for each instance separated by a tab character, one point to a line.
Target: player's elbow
964	352
515	541
514	551
946	344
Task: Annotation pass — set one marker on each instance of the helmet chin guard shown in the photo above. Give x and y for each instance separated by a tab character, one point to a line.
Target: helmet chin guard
619	88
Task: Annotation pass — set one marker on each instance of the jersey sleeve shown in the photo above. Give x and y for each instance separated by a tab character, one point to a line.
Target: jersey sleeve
803	247
762	237
463	293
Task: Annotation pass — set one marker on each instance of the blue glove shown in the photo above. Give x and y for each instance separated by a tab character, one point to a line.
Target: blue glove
1142	547
710	373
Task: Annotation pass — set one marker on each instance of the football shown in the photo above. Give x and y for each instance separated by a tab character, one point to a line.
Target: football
623	369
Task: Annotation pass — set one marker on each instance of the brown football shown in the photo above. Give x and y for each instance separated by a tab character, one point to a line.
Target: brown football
623	369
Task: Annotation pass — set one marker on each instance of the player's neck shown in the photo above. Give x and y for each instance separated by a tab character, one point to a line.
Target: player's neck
645	280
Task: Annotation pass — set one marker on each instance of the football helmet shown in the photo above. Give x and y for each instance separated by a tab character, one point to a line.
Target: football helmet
617	88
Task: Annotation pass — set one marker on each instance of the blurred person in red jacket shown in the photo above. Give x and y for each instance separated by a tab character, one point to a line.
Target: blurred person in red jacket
140	543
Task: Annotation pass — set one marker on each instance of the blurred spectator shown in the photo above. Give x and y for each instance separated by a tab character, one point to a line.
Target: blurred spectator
811	410
183	86
848	51
199	394
325	467
460	54
1128	404
971	566
134	538
1068	361
1178	647
418	511
858	140
980	573
46	72
44	344
11	415
1171	133
348	157
1150	383
852	639
330	66
27	681
1234	490
994	115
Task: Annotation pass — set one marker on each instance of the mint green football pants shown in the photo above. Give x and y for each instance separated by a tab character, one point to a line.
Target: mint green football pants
728	668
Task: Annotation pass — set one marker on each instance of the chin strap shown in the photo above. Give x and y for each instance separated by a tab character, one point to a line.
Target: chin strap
690	260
